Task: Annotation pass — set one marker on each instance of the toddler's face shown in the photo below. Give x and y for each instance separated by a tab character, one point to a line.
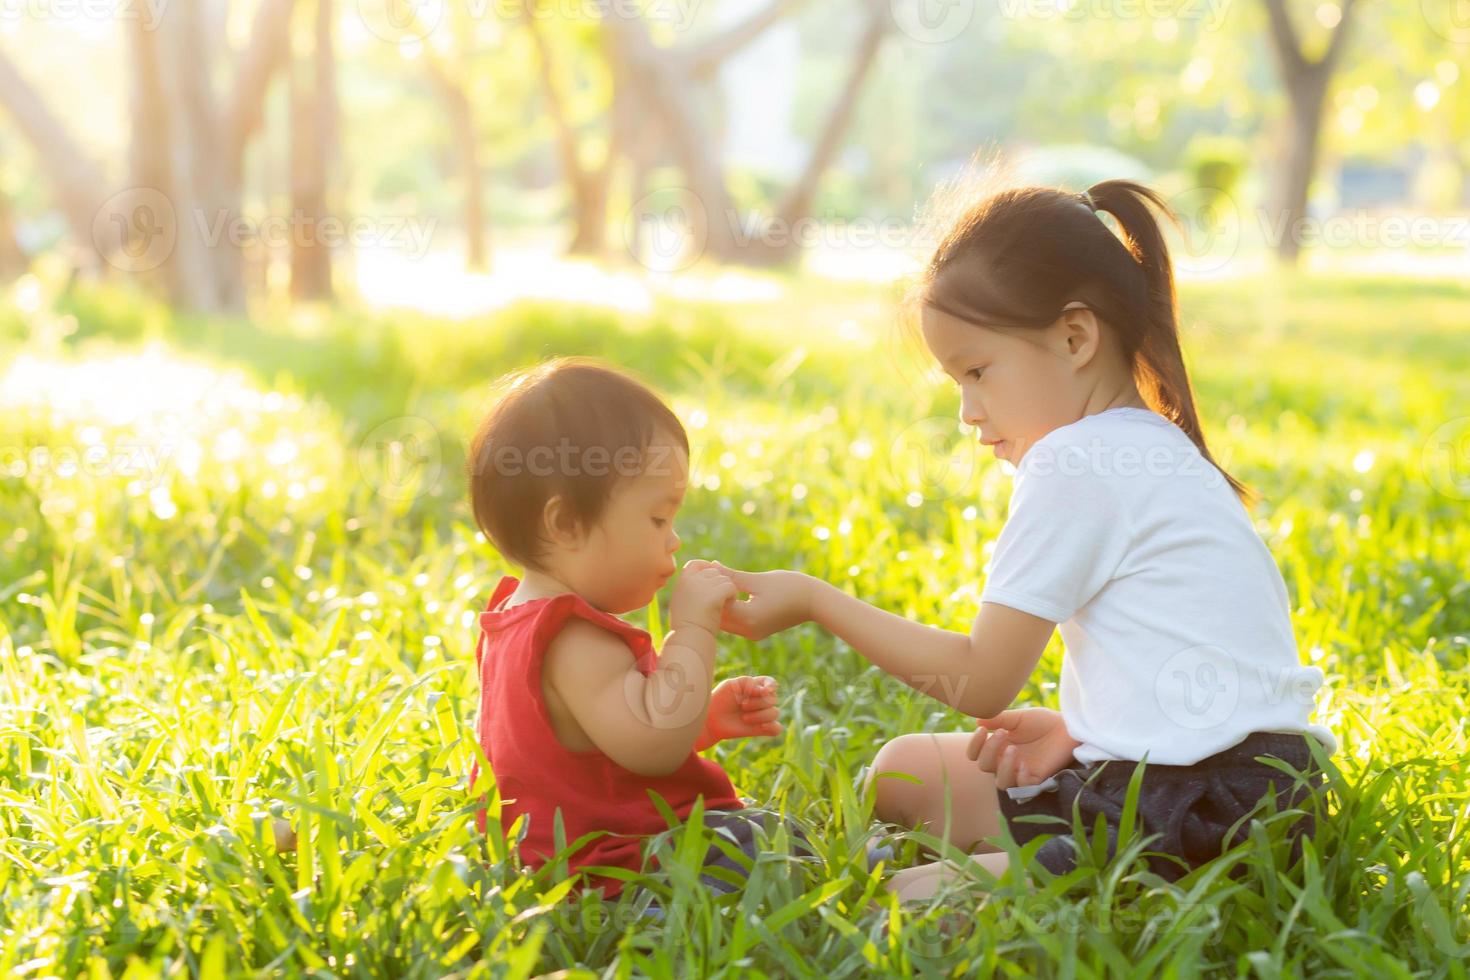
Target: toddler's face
622	562
1015	385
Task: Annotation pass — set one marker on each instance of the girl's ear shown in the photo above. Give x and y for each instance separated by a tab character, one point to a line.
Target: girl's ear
560	525
1081	335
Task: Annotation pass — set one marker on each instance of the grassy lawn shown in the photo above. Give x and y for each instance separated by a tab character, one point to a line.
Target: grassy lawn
225	598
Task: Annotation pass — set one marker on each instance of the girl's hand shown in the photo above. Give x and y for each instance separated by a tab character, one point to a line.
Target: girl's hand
741	707
1023	746
778	601
700	595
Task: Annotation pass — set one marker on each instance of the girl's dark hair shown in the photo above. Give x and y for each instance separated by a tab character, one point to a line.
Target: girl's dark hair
569	427
1020	255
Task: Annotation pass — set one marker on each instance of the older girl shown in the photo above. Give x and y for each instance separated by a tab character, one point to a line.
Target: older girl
1123	532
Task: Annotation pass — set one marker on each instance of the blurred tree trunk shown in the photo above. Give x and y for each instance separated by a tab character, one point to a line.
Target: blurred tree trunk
256	67
588	185
13	259
180	214
198	204
205	191
477	251
451	90
700	61
467	143
655	82
660	79
452	87
77	181
313	142
636	138
1306	81
268	51
150	165
796	206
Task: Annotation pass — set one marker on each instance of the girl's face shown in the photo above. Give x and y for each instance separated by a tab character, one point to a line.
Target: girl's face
1016	385
622	562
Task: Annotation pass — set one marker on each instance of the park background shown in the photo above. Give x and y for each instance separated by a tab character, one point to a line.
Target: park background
262	259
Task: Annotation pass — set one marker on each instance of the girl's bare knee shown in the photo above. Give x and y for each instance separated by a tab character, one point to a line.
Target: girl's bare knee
894	799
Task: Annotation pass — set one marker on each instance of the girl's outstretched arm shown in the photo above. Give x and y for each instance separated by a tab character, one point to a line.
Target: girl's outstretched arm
980	673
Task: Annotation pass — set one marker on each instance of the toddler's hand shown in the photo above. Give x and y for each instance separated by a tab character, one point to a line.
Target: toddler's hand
1023	746
741	707
700	595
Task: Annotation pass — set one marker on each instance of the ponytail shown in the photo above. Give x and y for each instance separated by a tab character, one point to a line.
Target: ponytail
1159	370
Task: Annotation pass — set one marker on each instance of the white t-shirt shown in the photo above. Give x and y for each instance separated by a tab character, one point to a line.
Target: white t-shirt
1174	616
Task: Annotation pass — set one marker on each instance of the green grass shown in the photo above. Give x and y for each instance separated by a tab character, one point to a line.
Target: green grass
278	623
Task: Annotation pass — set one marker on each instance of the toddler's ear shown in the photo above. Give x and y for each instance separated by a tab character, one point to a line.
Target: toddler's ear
560	524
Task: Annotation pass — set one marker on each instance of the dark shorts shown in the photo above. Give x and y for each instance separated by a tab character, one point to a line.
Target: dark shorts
1190	809
744	832
740	827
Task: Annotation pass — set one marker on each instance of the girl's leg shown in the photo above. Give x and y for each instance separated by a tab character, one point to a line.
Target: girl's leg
953	800
922	881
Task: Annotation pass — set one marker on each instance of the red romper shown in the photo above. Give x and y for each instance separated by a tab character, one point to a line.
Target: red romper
536	774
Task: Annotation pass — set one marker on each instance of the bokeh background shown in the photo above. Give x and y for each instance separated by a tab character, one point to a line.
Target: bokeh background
453	155
261	261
